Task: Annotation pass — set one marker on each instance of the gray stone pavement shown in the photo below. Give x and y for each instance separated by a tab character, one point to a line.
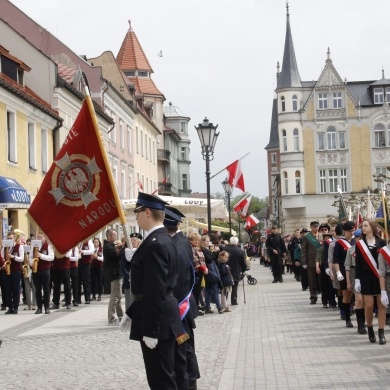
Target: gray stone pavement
276	340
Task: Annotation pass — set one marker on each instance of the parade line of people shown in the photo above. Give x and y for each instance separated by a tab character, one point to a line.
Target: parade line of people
349	268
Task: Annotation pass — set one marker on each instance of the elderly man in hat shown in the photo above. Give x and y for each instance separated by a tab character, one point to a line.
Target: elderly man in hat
309	247
154	316
183	293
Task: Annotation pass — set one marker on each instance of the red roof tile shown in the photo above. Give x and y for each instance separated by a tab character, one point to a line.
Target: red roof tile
145	85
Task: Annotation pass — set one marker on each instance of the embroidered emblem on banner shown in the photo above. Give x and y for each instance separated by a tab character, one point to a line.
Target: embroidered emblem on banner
75	180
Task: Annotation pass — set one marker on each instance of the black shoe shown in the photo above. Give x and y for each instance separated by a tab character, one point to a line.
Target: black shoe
99	298
47	311
371	334
313	301
39	311
349	324
75	304
304	289
234	303
93	299
325	306
381	335
15	311
200	313
275	281
68	307
281	280
3	308
55	307
87	302
9	311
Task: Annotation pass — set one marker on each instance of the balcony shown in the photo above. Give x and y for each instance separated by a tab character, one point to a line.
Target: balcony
163	155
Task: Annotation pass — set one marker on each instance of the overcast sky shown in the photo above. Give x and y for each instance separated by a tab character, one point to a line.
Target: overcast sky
219	58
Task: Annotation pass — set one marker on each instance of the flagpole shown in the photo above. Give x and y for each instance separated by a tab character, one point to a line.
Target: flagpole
385	216
106	162
225	167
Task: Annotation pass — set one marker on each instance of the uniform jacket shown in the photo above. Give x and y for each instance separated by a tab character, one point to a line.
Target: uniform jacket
361	263
111	261
154	274
308	252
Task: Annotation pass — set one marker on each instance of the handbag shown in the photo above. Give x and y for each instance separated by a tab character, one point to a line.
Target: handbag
213	274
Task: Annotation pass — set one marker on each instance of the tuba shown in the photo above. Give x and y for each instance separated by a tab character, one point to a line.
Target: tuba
36	260
7	261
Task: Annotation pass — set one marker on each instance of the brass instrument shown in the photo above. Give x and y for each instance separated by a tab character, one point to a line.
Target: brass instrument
26	266
7	261
36	260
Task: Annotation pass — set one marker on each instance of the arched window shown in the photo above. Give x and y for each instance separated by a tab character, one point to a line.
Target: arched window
285	183
284	138
331	137
379	134
297	182
296	140
283	104
295	103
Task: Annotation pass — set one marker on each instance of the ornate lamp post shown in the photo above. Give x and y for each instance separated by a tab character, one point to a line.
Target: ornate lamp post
228	192
208	135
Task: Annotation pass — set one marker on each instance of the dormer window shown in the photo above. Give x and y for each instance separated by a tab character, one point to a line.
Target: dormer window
295	103
378	95
142	74
283	103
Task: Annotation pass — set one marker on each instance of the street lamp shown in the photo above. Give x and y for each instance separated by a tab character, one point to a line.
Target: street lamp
208	135
228	192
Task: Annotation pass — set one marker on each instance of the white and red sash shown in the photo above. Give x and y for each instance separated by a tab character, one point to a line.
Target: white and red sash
328	240
368	257
385	252
344	243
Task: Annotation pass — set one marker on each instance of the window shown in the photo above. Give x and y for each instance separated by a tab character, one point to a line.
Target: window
121	135
183	153
342	140
379	135
129	139
378	95
387	90
275	205
337	101
343	179
379	171
295	103
285	183
113	132
284	137
154	154
146	146
137	139
331	137
142	143
332	180
11	137
131	189
44	151
321	141
297	182
183	127
296	140
115	170
31	146
283	104
150	150
273	158
184	182
322	101
123	181
322	181
142	74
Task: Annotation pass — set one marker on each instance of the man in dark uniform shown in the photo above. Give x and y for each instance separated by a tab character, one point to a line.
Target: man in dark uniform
276	249
154	314
183	293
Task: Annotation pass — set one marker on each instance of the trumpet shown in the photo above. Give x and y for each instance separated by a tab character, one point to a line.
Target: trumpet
7	261
26	266
36	260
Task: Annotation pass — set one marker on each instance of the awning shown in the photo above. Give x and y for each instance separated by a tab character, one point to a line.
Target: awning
13	195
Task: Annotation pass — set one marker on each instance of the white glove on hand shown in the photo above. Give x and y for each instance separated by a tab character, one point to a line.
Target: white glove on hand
150	343
304	266
327	271
358	287
124	325
340	276
384	298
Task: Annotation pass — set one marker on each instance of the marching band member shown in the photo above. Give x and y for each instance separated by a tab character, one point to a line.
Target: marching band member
74	275
61	274
12	280
86	251
41	278
97	270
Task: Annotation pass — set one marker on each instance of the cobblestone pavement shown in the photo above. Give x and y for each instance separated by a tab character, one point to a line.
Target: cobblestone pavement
276	340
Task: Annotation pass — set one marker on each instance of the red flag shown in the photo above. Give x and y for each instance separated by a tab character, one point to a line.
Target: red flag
235	175
251	221
242	204
166	180
139	184
76	199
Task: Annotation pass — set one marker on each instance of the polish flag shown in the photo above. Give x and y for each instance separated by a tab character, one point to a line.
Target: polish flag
235	175
139	184
165	181
251	221
243	204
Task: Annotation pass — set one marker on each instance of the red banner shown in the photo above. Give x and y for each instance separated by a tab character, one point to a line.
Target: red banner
75	199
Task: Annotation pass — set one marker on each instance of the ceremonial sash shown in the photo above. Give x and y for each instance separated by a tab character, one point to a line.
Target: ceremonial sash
344	243
313	241
368	257
328	240
184	305
385	252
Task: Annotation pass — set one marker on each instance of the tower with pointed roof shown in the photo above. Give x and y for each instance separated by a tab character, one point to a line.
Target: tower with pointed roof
325	135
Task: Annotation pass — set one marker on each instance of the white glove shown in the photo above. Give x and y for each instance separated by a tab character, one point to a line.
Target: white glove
340	276
384	298
124	325
304	266
150	343
327	271
358	287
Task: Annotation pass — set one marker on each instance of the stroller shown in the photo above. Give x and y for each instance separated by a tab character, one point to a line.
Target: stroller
251	280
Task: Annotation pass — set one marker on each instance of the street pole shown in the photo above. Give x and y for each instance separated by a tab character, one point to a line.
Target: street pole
208	193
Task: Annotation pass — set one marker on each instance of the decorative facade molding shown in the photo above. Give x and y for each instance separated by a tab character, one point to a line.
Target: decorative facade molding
327	114
330	159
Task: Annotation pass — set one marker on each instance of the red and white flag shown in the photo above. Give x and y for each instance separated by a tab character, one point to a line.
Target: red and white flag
235	175
251	221
165	181
139	184
242	205
77	197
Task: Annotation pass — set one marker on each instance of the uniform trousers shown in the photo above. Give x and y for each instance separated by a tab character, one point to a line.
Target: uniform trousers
304	278
74	279
312	277
12	285
61	276
42	282
96	281
233	296
192	361
84	279
160	365
277	265
327	291
3	290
